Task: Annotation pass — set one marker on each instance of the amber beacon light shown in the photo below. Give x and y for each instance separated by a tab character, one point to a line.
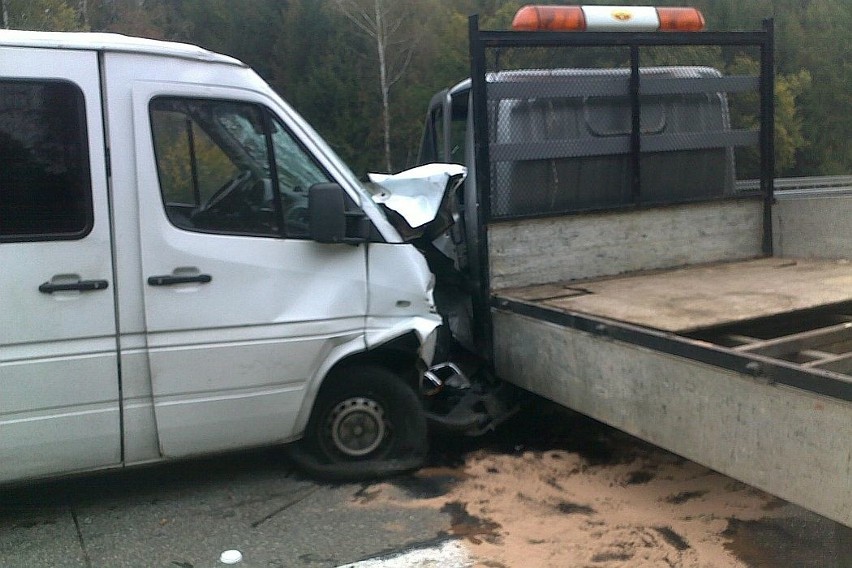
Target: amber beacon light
607	19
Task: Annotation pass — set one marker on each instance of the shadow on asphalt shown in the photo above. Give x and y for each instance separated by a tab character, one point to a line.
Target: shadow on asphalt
544	426
149	482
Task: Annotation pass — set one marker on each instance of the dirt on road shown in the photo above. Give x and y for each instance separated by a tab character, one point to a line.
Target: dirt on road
555	489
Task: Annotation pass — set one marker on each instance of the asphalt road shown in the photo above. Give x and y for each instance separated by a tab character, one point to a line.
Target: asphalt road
186	514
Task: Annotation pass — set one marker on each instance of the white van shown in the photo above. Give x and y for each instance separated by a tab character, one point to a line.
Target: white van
187	268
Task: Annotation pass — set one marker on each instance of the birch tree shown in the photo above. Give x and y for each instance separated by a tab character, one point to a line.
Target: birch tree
388	24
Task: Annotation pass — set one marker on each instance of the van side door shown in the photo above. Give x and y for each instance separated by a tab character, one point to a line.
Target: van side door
241	308
59	384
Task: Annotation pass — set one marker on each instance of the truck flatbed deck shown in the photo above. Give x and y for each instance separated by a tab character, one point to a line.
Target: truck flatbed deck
693	298
798	311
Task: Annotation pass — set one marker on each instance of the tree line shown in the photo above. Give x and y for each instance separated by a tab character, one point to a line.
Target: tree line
362	71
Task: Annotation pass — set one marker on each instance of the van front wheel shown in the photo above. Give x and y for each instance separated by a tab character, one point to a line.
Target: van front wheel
366	423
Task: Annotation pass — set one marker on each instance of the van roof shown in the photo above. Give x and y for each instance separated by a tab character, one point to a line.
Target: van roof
111	42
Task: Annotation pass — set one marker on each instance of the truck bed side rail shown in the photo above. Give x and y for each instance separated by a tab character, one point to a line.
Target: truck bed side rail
568	122
578	122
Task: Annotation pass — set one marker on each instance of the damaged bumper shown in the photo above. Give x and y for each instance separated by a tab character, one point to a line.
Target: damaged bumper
455	403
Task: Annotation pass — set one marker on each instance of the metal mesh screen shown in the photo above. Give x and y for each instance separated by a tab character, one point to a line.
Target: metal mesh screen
570	128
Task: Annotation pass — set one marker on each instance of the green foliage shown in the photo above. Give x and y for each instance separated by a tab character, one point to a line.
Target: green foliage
819	42
50	15
814	86
175	159
142	18
311	54
790	139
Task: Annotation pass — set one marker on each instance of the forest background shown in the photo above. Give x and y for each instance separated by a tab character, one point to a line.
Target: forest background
362	71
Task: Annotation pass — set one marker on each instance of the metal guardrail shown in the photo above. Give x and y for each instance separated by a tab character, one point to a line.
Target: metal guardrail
802	186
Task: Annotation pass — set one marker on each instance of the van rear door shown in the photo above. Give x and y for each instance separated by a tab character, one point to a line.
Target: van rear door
59	388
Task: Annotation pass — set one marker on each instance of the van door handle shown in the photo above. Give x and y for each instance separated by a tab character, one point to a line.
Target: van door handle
171	279
82	286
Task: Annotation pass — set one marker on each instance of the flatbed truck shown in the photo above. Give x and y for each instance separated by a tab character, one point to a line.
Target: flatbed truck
612	260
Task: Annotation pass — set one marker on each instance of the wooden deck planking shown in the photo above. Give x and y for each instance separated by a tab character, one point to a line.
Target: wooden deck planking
699	297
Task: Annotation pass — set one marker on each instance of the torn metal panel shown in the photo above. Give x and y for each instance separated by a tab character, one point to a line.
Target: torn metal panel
417	194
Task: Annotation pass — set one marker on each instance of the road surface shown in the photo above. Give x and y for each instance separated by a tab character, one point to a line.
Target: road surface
550	488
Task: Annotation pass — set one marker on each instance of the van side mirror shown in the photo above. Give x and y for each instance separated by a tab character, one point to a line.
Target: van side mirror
334	217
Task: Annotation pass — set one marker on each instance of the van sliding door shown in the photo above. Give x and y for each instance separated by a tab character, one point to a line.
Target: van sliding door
58	370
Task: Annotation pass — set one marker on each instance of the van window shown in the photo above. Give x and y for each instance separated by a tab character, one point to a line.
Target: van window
231	167
45	183
611	116
431	146
458	131
297	172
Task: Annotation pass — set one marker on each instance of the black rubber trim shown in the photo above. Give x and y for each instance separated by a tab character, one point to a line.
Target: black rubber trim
762	369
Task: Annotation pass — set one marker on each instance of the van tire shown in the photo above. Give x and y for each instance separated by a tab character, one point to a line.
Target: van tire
366	423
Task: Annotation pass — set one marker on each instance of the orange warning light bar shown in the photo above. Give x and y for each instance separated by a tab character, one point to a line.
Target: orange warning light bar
549	18
607	18
680	19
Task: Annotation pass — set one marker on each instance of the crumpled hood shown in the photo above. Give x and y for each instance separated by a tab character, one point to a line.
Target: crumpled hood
417	194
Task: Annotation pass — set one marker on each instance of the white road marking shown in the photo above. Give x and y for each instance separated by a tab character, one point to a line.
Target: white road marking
450	554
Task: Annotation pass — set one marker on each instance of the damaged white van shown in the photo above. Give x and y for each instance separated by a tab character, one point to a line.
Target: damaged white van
187	268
